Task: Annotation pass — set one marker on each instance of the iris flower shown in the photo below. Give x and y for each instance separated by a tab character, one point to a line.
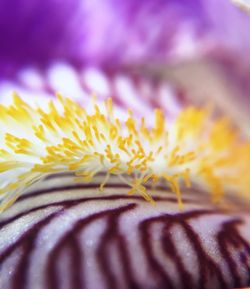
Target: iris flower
124	157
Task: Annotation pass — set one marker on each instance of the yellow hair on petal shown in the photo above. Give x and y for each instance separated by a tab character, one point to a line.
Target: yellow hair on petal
195	149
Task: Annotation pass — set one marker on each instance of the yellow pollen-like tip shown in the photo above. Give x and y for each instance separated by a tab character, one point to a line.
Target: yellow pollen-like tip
195	149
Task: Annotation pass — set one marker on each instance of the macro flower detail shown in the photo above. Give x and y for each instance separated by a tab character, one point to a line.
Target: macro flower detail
127	179
65	138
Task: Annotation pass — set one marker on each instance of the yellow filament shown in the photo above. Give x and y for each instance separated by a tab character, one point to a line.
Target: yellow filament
196	149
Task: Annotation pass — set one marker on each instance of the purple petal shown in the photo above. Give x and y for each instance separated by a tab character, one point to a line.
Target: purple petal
140	92
117	34
36	32
111	31
66	235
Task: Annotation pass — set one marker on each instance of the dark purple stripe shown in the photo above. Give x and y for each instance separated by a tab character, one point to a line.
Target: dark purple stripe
228	237
170	250
206	265
116	186
52	277
76	201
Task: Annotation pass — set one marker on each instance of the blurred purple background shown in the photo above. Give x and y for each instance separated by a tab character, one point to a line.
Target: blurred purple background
118	32
158	37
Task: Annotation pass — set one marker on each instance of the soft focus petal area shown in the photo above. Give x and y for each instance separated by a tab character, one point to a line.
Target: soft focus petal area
61	234
35	32
114	32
